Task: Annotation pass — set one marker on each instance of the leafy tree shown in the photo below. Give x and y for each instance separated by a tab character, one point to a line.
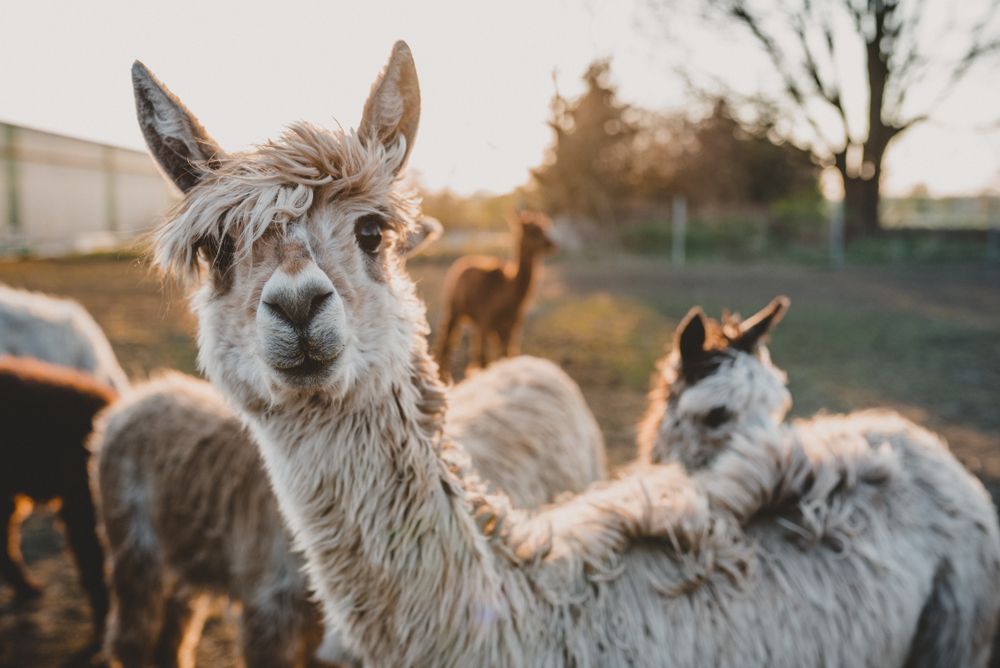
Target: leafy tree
729	162
587	168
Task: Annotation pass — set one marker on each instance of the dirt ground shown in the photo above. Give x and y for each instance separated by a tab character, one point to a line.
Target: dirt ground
924	340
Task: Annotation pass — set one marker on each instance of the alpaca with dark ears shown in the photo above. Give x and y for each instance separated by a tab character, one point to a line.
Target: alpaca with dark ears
719	407
491	295
421	564
717	380
47	412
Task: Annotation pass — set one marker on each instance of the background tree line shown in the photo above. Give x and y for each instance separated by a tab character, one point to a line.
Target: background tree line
612	166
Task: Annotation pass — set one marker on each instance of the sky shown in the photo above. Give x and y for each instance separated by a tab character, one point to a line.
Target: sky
487	73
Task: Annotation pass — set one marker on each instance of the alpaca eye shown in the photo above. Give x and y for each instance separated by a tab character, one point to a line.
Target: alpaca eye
716	417
368	232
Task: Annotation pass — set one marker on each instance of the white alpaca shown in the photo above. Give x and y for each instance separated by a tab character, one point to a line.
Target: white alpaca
173	458
58	331
311	327
719	406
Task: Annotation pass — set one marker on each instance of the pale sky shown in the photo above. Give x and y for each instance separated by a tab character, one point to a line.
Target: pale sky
246	69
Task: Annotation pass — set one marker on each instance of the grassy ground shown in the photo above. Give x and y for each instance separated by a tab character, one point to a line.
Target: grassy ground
923	340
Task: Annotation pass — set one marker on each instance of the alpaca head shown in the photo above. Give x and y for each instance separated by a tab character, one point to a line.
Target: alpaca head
532	231
716	382
298	247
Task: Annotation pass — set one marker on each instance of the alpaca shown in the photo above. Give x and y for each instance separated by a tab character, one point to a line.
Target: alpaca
310	326
187	511
162	450
492	294
716	382
719	402
59	331
47	413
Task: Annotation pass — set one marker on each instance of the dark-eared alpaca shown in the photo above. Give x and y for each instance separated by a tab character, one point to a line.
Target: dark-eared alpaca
719	405
491	294
406	549
47	413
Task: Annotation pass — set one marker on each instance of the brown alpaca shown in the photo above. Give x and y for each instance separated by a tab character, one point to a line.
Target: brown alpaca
491	294
47	412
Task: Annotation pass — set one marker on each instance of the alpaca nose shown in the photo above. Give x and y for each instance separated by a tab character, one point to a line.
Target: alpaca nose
298	308
298	305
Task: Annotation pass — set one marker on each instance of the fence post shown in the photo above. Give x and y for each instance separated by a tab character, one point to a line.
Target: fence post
13	213
679	231
836	234
110	189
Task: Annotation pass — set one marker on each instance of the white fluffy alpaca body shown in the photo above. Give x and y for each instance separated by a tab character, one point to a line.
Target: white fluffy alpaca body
310	326
527	427
719	407
58	331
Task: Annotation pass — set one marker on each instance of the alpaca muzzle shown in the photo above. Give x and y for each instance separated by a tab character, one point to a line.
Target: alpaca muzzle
300	320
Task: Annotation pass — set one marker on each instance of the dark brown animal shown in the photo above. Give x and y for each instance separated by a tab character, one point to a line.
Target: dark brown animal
47	412
491	294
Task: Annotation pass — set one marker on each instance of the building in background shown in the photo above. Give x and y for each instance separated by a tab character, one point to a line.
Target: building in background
62	195
946	213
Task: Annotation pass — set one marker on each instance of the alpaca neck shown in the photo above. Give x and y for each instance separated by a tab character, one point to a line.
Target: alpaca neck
391	546
524	272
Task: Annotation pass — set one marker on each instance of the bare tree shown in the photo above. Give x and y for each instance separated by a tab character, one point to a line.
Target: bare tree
904	47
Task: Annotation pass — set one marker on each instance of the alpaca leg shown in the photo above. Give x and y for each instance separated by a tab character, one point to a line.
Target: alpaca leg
11	562
273	633
952	630
137	616
483	348
80	519
510	340
183	619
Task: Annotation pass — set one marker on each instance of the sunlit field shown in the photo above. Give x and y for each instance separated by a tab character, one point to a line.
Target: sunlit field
924	340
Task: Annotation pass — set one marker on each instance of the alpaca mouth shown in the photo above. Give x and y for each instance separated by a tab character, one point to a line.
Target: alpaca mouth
306	370
308	367
302	360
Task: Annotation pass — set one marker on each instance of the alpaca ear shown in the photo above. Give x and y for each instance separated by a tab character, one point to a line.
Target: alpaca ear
428	231
392	111
755	328
174	136
690	336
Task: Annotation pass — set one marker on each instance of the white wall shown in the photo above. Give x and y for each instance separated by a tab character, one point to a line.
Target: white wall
74	195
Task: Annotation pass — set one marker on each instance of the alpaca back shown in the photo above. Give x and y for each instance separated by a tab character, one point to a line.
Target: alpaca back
59	331
528	430
963	609
861	542
879	494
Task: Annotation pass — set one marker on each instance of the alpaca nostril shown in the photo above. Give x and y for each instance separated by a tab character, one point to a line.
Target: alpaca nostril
298	309
278	311
317	303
